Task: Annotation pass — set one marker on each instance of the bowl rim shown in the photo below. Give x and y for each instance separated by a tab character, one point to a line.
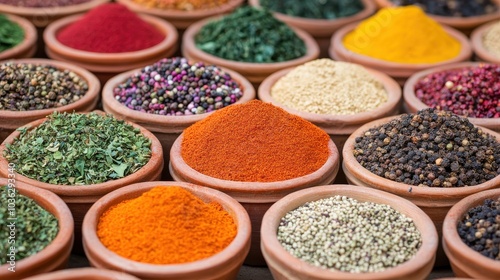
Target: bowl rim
154	122
265	191
337	47
29	41
240	243
79	273
391	87
50	39
50	11
480	50
189	47
52	203
452	242
419	195
274	250
155	161
90	97
410	97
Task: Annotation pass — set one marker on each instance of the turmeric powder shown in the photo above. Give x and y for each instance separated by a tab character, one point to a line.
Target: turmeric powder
166	225
404	35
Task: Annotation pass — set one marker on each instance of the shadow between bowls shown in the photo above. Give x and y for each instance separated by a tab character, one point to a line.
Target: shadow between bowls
399	71
435	202
27	47
80	198
254	72
105	65
56	255
339	127
285	266
412	104
482	53
84	273
256	197
322	29
223	265
463	24
466	262
165	128
11	120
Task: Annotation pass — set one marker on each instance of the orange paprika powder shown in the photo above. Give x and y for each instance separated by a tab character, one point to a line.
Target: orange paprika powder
166	225
254	142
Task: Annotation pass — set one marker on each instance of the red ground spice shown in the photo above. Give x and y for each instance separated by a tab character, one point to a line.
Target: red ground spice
254	142
110	28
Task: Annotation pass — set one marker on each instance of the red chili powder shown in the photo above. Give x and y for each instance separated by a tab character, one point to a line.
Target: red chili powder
254	142
110	28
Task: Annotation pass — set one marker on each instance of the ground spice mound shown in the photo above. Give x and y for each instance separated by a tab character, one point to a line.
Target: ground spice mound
430	149
254	142
166	225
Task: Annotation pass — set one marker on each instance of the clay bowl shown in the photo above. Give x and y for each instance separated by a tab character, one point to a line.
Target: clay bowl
107	65
254	72
412	104
322	29
339	127
27	47
80	198
165	128
53	257
435	202
84	273
223	265
182	19
480	50
466	262
11	120
285	266
256	197
399	71
464	24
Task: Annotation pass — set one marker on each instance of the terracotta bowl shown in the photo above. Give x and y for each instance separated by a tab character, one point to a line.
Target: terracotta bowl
322	29
107	65
165	128
339	127
27	47
223	265
256	197
11	120
399	71
53	257
84	273
285	266
466	262
80	198
412	104
477	44
435	202
182	19
464	24
254	72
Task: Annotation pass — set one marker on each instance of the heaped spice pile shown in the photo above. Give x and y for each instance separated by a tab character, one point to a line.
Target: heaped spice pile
250	35
173	86
26	87
35	227
472	91
480	229
452	8
79	149
491	39
325	86
254	142
431	149
316	9
182	5
344	234
42	3
11	34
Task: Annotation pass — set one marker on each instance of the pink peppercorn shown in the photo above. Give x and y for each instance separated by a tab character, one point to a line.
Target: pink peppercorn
471	91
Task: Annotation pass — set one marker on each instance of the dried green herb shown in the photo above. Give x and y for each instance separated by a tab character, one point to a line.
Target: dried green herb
79	149
11	34
34	227
316	9
250	35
